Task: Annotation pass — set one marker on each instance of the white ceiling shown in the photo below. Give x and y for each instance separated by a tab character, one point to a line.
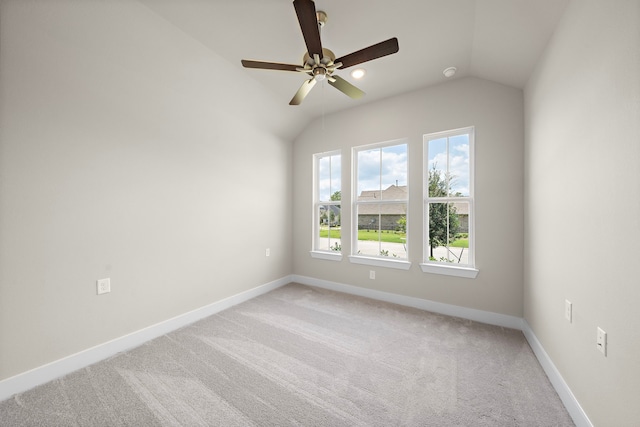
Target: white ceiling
498	40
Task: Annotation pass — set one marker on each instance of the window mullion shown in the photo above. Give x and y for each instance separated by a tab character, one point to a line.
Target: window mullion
379	206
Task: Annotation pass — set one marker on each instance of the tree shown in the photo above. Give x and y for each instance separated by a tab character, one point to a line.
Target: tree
336	196
444	222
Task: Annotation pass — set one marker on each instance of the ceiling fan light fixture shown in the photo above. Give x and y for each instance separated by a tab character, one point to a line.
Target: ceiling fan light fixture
449	72
358	73
319	73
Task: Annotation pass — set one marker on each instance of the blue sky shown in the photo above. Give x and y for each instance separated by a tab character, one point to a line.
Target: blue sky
329	176
378	168
458	161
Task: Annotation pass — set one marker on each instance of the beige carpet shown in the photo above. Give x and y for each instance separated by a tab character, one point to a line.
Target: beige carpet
307	357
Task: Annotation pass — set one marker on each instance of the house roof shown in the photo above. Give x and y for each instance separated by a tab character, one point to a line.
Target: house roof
393	192
335	209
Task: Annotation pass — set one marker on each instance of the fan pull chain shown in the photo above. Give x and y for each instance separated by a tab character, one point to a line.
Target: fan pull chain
323	105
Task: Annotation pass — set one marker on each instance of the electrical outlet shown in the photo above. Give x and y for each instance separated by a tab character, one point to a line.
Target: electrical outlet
568	307
267	252
372	274
103	286
601	341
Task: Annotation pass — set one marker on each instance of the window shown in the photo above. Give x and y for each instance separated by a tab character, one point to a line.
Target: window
327	206
448	203
380	203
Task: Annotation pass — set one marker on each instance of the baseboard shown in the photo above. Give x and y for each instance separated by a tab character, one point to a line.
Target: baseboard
568	399
43	374
490	318
570	402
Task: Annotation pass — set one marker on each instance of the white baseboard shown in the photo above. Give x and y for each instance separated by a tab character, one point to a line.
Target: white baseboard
490	318
568	399
51	371
570	402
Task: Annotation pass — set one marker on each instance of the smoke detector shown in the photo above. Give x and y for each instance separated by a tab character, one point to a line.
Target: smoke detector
449	72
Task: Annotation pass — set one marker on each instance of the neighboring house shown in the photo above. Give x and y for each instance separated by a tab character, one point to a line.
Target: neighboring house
462	209
388	215
334	215
372	216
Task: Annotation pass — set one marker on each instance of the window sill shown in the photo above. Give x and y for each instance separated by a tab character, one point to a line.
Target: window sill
450	270
329	256
379	262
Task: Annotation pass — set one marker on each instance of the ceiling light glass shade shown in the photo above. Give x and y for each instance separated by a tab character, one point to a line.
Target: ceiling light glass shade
358	73
319	73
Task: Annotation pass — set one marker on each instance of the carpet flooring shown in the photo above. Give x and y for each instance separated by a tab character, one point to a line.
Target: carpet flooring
303	356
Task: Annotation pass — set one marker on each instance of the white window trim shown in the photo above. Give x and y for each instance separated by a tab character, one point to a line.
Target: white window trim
468	270
326	255
450	270
376	261
398	264
315	252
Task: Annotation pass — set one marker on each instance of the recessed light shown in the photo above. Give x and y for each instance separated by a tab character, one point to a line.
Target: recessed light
449	72
358	73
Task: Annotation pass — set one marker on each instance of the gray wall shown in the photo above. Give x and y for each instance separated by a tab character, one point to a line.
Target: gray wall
496	112
583	205
127	151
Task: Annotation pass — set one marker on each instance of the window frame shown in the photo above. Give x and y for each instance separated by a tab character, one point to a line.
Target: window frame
378	261
316	252
437	267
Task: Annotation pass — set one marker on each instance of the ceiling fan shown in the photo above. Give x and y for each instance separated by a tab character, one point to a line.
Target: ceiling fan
320	63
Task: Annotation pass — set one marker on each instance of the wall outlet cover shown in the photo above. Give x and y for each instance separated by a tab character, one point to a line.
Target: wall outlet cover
103	286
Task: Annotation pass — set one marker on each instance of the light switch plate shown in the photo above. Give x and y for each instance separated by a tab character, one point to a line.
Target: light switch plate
601	341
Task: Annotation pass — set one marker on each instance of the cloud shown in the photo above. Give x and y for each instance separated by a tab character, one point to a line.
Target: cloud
329	176
457	163
379	168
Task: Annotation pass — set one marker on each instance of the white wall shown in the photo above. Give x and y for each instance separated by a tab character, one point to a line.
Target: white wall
127	151
582	114
496	112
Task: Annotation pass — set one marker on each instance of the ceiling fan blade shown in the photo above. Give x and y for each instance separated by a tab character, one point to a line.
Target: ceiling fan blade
269	65
345	87
379	50
303	91
306	11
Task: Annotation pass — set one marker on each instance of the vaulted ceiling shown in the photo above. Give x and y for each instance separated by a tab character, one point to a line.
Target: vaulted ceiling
497	40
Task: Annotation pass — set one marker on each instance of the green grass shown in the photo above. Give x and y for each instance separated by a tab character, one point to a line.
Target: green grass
390	237
335	233
460	243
